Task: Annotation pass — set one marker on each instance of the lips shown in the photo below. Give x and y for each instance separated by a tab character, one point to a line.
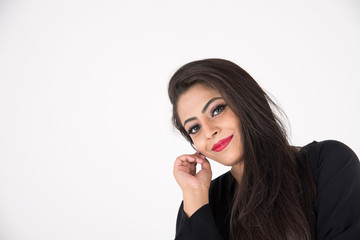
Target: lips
220	145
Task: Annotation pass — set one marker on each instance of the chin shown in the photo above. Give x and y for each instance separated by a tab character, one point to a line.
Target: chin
234	159
232	162
227	163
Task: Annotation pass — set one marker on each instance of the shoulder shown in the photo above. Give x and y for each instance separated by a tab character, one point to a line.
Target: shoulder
326	158
327	147
336	171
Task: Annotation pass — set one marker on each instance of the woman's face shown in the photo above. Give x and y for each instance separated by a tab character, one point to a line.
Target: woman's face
213	127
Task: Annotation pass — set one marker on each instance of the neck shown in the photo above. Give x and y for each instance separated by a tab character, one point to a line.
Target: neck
237	171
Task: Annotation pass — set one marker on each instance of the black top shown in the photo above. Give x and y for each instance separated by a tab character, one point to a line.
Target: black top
336	171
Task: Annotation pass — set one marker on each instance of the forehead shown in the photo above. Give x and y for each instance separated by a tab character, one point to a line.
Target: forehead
191	102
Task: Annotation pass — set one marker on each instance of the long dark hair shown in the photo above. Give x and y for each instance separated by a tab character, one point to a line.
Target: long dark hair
275	197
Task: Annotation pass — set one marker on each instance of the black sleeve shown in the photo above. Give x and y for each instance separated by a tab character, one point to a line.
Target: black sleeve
337	206
201	225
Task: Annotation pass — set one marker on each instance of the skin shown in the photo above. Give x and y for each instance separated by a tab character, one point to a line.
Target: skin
207	117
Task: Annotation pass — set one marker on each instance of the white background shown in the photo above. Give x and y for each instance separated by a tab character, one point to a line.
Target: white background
86	143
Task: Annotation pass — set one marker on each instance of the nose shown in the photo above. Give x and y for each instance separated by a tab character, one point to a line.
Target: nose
210	130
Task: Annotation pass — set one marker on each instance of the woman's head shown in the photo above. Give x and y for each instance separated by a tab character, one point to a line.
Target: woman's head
239	91
212	126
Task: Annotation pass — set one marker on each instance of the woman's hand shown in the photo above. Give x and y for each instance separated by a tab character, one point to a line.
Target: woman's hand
185	172
195	186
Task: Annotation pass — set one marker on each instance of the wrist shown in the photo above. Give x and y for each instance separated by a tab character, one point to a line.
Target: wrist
194	200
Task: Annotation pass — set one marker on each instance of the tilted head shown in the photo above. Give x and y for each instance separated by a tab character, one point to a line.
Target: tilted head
240	91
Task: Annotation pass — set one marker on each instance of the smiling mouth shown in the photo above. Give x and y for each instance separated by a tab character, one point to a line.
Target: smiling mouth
220	145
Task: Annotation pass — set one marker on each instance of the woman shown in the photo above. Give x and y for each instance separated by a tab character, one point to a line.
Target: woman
274	190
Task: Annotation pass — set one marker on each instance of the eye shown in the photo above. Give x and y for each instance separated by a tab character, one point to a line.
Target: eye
217	110
194	129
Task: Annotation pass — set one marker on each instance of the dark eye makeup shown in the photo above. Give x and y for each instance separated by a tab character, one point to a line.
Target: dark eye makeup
194	129
214	112
218	109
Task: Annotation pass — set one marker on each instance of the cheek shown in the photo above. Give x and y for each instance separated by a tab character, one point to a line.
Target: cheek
238	150
200	146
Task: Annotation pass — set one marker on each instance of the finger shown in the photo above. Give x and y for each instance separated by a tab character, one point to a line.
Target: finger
193	170
199	160
185	169
198	157
206	165
199	154
181	170
183	165
187	157
184	160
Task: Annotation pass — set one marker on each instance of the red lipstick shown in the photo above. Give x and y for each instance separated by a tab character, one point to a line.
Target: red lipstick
220	145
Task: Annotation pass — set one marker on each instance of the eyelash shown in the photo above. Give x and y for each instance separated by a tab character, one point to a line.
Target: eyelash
217	108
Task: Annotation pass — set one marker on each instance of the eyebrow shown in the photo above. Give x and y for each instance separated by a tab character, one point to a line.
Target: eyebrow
203	110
